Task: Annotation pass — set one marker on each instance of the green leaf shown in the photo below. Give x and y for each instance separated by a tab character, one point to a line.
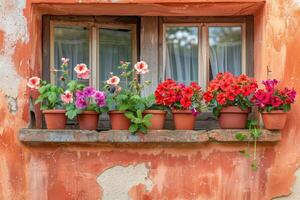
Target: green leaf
147	123
129	115
71	114
133	128
123	107
148	116
286	107
240	136
139	114
52	97
44	107
143	129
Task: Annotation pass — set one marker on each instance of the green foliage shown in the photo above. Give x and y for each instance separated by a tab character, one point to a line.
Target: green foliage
49	96
253	134
139	123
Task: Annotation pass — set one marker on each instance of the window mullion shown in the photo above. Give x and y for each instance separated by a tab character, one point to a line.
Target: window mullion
204	52
94	58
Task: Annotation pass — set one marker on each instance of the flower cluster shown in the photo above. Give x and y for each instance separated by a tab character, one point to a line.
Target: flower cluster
273	98
82	71
67	97
89	97
227	89
179	96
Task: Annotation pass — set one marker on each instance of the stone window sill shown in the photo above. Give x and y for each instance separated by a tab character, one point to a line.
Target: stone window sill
74	136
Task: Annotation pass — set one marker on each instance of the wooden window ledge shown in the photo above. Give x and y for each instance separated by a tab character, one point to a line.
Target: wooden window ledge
75	136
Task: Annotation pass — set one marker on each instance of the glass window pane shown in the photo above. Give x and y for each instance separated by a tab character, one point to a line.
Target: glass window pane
225	50
71	42
115	46
181	62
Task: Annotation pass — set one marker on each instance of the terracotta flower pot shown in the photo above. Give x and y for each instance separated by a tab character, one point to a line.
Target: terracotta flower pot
184	119
88	120
274	120
157	120
233	117
55	119
118	120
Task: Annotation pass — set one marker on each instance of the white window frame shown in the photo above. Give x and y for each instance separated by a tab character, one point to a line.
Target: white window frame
94	60
203	45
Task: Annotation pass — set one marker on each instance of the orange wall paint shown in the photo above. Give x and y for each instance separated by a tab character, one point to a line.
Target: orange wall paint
208	171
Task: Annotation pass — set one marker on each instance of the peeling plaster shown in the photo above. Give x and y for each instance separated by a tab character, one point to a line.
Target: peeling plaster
118	180
295	194
12	104
14	26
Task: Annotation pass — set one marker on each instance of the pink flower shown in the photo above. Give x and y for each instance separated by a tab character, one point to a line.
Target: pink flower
114	80
81	68
276	101
34	82
67	97
85	75
141	67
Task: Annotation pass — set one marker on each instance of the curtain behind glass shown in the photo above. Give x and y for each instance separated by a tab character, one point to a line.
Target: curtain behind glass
225	50
182	54
114	46
71	42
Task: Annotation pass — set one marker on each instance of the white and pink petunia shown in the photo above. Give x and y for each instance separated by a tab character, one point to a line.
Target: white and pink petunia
141	67
81	68
114	80
34	82
85	75
67	97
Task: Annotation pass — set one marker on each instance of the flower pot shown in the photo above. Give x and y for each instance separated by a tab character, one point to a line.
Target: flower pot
55	119
118	120
157	120
88	120
184	119
233	117
274	120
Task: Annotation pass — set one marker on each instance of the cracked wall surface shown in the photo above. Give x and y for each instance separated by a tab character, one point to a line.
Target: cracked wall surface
206	171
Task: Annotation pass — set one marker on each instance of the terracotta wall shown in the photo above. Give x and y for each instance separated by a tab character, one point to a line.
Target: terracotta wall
210	171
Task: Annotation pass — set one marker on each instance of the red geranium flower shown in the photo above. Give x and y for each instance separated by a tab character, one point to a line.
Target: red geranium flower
185	102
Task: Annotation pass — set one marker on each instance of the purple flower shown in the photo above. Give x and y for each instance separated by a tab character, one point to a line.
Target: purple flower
79	94
195	112
270	84
89	96
100	98
89	91
81	103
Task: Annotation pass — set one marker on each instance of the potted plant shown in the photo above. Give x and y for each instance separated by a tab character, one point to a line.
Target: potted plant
51	104
51	98
127	106
88	101
184	101
229	97
274	103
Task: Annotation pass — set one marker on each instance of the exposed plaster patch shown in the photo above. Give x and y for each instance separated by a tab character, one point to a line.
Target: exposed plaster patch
295	194
118	180
14	26
12	104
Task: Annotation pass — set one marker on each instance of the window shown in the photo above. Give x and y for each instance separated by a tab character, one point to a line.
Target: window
183	48
101	44
198	51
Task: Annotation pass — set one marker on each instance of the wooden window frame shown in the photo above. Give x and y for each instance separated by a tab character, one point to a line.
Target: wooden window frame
245	22
93	24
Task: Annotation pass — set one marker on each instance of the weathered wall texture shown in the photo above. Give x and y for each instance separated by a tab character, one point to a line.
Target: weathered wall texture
210	171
